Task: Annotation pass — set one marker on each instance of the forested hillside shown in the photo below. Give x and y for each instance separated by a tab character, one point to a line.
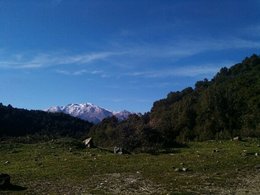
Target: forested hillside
226	106
20	122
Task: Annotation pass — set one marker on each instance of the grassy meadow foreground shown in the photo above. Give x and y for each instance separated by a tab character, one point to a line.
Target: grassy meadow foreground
61	167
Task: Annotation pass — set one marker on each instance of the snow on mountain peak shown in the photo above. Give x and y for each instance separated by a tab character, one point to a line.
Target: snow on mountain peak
89	112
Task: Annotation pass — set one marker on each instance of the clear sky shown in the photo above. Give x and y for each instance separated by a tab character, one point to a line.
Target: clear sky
118	54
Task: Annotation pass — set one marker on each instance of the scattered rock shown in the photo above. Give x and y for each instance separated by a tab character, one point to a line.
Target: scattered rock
6	162
215	150
237	138
4	180
245	153
183	169
118	150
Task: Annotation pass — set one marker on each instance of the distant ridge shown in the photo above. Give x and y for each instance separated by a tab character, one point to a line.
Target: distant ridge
88	112
16	122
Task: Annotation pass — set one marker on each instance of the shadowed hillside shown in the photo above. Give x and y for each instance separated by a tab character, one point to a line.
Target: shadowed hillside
21	122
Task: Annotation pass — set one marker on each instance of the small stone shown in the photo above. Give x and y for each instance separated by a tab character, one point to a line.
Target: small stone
184	169
4	180
6	162
237	138
256	154
176	169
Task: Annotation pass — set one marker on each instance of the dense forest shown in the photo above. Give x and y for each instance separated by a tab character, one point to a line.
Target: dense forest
226	106
21	122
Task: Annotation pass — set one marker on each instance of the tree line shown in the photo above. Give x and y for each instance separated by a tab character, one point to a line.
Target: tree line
20	122
228	105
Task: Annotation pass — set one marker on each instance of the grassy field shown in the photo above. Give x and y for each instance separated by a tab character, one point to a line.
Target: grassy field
60	167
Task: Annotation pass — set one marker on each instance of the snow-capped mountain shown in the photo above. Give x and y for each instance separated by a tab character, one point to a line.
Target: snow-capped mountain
89	112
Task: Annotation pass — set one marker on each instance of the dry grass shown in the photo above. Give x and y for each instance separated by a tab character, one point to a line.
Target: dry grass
60	167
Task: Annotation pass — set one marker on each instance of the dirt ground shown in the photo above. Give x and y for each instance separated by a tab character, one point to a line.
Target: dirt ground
250	185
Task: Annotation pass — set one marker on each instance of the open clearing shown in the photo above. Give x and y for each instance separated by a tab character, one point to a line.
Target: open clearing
60	167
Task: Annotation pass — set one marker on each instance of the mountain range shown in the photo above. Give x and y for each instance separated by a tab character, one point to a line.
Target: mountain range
89	112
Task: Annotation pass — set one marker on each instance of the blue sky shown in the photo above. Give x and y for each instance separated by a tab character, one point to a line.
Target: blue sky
118	54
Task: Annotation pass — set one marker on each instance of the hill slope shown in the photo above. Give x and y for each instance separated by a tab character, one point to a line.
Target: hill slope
20	122
224	107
